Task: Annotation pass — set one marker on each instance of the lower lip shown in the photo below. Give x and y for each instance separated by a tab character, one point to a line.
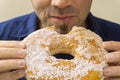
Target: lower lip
62	19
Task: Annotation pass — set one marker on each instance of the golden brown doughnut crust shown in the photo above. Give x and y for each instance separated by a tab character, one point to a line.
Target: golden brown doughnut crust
84	45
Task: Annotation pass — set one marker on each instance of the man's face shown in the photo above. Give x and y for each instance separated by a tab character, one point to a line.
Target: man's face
64	14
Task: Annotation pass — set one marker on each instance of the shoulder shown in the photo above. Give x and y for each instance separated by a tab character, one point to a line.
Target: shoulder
110	29
7	27
15	21
108	24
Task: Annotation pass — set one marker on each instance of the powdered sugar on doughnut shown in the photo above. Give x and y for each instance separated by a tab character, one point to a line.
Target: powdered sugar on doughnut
83	44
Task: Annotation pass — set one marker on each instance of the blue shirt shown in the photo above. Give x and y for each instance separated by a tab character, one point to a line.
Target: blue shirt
18	28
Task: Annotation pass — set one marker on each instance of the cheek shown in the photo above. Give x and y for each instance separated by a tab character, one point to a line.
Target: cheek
40	5
84	8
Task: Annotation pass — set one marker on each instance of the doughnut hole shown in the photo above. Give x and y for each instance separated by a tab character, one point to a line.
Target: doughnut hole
63	47
63	55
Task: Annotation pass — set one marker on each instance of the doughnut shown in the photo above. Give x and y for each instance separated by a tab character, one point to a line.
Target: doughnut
76	55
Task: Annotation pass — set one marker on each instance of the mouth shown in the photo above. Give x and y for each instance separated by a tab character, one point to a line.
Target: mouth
62	18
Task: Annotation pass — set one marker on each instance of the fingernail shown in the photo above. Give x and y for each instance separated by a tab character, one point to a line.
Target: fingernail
21	63
21	53
107	71
21	44
109	57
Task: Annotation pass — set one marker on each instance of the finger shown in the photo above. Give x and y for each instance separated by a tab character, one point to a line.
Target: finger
111	45
12	53
112	79
7	65
14	75
12	44
113	57
112	71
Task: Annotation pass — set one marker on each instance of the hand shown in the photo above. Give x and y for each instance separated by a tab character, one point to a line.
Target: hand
11	60
112	72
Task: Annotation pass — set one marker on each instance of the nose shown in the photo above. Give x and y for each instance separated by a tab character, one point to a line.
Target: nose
61	3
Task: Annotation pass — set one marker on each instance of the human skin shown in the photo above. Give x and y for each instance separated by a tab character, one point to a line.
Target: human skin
60	13
64	14
112	72
12	55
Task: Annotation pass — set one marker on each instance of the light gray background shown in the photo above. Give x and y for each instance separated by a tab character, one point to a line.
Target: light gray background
107	9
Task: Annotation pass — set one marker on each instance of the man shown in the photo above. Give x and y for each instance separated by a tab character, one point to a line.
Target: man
60	13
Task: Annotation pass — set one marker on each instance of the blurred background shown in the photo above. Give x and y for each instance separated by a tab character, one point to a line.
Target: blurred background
106	9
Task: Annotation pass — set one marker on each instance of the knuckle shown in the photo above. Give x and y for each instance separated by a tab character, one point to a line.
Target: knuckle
21	44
